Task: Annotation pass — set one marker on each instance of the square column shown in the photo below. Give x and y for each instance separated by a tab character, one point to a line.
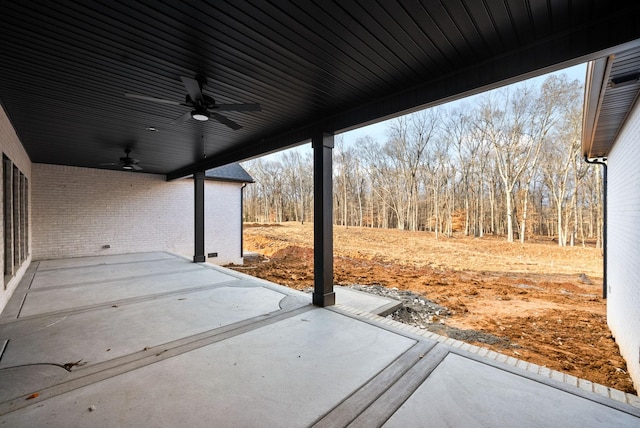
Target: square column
323	294
198	182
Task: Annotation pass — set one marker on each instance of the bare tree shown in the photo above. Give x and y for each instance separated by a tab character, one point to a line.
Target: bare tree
562	151
298	176
458	130
505	117
505	165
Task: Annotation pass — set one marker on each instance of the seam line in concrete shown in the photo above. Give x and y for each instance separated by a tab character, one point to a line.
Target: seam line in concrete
393	398
559	384
22	302
350	408
124	302
164	259
101	371
5	343
486	353
11	310
107	281
32	274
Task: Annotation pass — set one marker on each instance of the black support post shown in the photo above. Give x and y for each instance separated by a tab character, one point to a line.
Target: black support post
198	182
323	294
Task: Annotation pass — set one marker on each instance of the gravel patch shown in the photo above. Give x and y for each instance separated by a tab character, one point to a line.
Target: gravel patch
423	313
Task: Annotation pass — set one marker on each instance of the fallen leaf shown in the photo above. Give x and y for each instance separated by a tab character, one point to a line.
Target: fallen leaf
32	396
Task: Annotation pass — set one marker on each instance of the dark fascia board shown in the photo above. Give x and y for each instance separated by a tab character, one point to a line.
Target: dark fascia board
227	180
598	38
595	87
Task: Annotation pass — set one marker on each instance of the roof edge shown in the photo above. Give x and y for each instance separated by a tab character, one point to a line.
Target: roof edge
594	89
233	172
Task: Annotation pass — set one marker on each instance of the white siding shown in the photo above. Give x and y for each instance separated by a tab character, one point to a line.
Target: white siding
623	230
79	211
11	146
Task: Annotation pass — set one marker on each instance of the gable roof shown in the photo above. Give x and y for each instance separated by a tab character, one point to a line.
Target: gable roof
231	172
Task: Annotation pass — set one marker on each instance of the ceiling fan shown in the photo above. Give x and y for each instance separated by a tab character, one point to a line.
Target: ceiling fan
202	107
126	162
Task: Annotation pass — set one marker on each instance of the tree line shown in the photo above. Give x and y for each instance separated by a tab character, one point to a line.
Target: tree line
509	164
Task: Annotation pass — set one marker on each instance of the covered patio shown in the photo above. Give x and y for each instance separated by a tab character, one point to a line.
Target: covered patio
181	87
157	91
151	339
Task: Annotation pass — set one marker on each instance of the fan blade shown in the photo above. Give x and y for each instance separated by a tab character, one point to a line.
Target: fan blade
225	121
155	100
136	167
193	88
238	107
183	118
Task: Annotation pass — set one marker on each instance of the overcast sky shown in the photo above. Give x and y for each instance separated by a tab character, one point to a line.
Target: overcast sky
377	131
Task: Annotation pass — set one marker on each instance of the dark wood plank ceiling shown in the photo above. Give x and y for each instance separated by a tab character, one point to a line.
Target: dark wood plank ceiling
312	65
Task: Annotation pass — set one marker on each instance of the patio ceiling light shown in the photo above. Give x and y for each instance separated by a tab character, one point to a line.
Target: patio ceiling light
200	114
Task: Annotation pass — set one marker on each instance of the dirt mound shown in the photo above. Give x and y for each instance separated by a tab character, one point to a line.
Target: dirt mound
294	253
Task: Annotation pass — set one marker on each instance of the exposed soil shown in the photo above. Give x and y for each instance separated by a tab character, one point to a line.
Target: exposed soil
538	302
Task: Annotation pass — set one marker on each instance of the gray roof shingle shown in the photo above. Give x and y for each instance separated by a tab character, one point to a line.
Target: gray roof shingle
231	172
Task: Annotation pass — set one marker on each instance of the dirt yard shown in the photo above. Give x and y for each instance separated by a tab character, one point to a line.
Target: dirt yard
537	302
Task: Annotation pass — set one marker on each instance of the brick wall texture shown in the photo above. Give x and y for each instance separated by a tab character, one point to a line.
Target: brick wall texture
623	246
12	148
79	211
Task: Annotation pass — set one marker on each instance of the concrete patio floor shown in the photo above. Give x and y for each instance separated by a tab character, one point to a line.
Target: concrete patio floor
155	340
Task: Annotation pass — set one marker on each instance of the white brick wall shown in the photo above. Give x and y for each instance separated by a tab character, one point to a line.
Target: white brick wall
623	246
11	146
77	211
223	221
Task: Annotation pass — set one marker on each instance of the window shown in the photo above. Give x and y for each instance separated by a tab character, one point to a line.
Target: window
16	218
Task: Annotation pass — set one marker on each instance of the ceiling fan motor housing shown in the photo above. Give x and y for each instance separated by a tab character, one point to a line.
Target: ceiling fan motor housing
202	107
208	102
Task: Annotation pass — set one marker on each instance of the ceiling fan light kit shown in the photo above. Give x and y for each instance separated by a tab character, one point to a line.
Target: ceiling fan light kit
127	163
202	106
201	115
